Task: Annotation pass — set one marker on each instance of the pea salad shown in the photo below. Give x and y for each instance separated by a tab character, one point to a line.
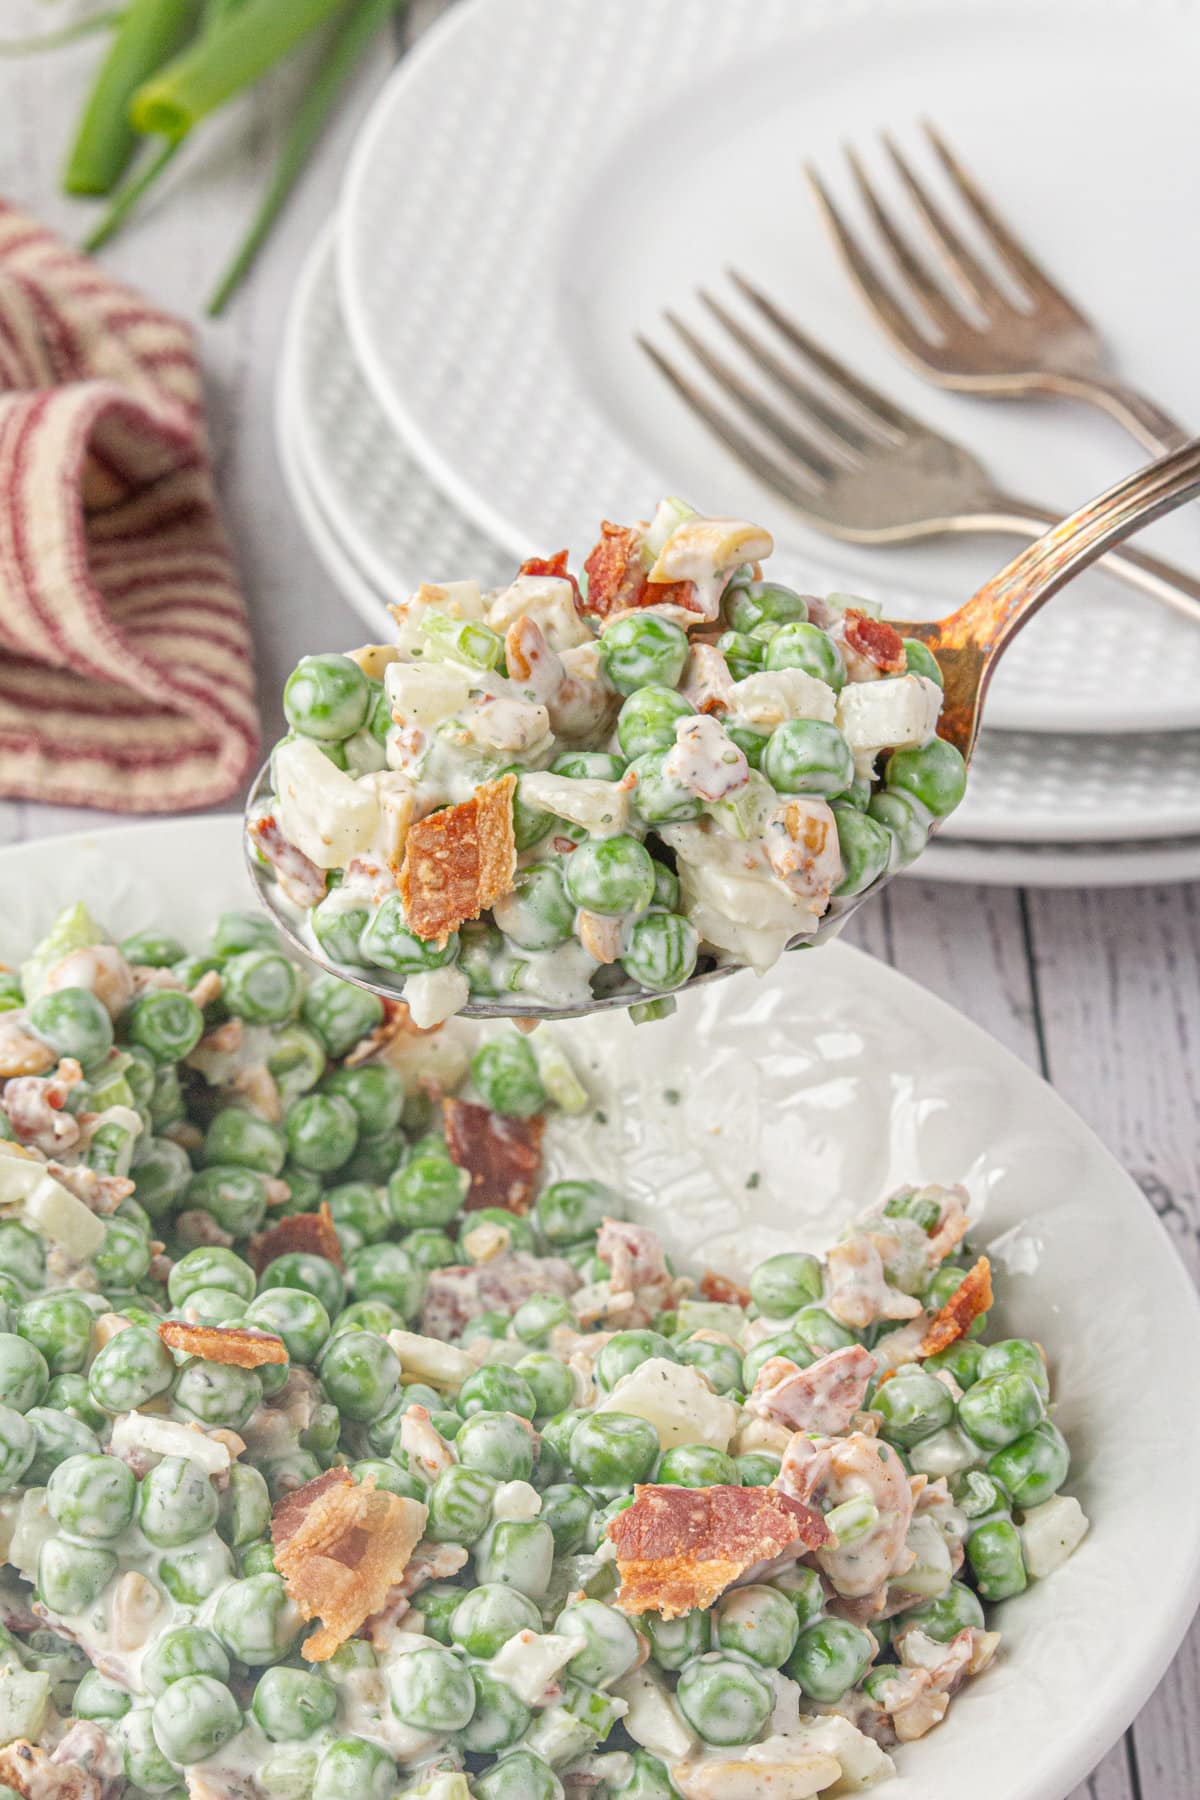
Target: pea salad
572	788
343	1455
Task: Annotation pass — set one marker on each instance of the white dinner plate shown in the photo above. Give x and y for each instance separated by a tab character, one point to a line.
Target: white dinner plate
537	182
1159	862
833	1080
380	527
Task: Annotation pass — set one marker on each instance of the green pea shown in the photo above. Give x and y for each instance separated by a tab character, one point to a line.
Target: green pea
18	1445
676	1642
538	1316
641	649
264	987
758	1622
646	721
996	1559
218	1393
521	1775
73	1023
353	1768
151	949
460	1505
658	798
166	1023
209	1266
321	1130
496	1388
549	1381
830	1657
821	1331
750	603
71	1577
489	1615
360	1373
1014	1353
913	1406
339	1013
428	1191
628	1350
743	653
176	1502
124	1256
243	1138
536	913
865	848
784	1343
500	1717
610	1644
314	1274
293	1703
387	1272
944	1617
935	775
298	1317
432	1691
360	1214
612	1450
695	1466
376	1093
783	1284
57	1436
194	1717
920	660
60	1327
1032	1467
131	1369
1001	1408
961	1361
100	1699
68	1393
187	1650
661	952
757	1468
566	1509
22	1257
568	1212
725	1702
256	1621
799	645
519	1552
496	1444
160	1171
244	1506
807	756
906	819
236	1197
505	1074
612	876
326	697
236	931
145	1765
196	1572
390	943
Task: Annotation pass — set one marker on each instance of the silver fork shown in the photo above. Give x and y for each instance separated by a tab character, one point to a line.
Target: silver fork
974	336
849	460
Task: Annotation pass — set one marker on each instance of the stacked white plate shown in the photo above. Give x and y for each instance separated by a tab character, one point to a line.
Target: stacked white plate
460	385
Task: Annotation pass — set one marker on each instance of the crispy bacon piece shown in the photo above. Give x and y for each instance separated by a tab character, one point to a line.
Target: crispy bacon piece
556	566
679	1548
239	1345
823	1397
878	641
299	877
972	1297
459	861
311	1232
28	1769
501	1155
617	579
340	1546
722	1288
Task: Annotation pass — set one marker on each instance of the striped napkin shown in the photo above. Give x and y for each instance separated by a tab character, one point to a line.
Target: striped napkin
126	672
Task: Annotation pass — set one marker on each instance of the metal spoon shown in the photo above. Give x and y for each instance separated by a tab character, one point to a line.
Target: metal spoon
968	644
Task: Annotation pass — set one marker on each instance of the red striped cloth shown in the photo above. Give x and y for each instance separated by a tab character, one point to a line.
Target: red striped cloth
126	672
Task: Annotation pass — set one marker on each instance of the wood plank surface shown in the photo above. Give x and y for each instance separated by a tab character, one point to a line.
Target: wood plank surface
1095	990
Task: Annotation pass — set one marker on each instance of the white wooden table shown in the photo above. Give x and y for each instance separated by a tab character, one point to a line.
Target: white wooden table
1098	991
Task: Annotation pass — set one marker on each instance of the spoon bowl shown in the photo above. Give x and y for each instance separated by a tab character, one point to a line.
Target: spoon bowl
967	645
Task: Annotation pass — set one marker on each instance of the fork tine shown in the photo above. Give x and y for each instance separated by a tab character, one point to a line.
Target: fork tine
876	405
836	421
1008	247
876	293
929	292
784	481
807	451
962	262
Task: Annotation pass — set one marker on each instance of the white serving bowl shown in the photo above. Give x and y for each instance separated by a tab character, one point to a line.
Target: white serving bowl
760	1117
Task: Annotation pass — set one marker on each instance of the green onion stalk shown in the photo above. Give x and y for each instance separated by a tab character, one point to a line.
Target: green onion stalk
150	34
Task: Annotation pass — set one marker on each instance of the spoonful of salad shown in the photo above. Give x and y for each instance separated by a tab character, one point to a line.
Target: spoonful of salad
578	793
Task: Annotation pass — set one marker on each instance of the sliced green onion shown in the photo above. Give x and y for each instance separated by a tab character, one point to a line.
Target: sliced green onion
462	641
246	43
130	196
353	36
852	1520
150	33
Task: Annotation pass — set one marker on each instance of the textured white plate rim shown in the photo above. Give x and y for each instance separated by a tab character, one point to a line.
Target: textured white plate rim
1049	1768
1018	712
1053	866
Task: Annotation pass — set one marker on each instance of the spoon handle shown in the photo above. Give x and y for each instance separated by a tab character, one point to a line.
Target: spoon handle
969	642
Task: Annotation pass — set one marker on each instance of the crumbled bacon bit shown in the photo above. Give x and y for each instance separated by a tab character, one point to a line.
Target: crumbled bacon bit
298	875
460	861
722	1288
617	578
878	641
340	1547
501	1155
314	1233
972	1297
556	566
239	1345
27	1769
679	1548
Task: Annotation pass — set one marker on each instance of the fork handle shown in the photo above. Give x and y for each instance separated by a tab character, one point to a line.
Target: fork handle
1143	417
1163	581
